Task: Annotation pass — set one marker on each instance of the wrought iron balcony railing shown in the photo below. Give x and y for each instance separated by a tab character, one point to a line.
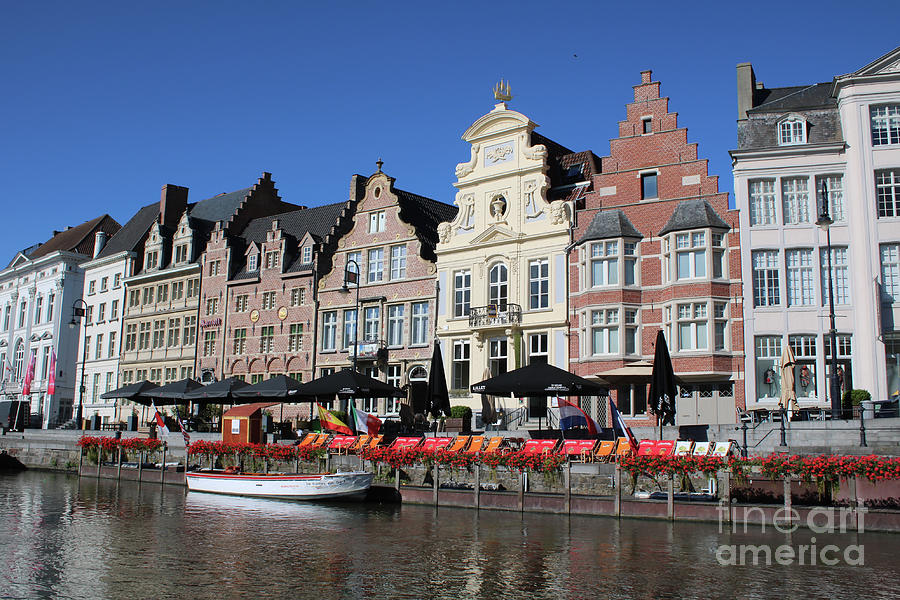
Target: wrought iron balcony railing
494	315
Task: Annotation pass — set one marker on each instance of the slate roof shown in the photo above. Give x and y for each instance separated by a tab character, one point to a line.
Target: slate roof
693	214
786	99
424	214
128	238
78	239
218	208
608	224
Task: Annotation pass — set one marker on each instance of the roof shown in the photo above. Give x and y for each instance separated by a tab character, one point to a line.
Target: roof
424	214
129	237
608	224
218	208
817	95
693	214
78	239
247	410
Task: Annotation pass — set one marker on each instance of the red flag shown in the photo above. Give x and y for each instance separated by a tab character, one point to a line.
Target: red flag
329	421
51	379
29	375
184	434
160	421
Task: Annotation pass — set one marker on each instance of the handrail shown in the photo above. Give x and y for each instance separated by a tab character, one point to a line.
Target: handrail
492	314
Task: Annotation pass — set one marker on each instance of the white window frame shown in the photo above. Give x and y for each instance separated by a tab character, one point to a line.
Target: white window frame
462	292
372	324
498	286
761	195
329	331
461	362
791	131
766	278
398	262
885	124
692	326
835	186
376	265
538	284
604	263
887	192
795	200
419	324
889	254
377	221
604	337
840	273
691	246
800	269
396	316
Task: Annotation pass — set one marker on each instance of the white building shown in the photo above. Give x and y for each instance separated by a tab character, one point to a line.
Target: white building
104	296
38	291
797	145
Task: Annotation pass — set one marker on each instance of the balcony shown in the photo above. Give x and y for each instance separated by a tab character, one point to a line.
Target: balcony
481	317
368	350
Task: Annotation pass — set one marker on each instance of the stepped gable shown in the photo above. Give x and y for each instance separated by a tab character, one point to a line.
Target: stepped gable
694	214
78	239
608	224
130	236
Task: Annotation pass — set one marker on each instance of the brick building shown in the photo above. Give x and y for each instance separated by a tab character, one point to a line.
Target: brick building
391	239
656	247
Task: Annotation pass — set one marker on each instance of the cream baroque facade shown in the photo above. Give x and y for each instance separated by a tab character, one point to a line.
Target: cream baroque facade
501	261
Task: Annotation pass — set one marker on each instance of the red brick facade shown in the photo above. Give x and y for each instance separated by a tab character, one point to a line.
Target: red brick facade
697	303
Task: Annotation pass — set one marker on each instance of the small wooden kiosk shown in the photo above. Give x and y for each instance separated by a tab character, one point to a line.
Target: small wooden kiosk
244	423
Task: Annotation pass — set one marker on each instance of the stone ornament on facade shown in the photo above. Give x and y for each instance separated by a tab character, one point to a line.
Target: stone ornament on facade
558	212
498	207
444	231
536	152
499	153
466	168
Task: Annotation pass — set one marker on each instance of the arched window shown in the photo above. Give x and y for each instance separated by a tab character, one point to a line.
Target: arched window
19	360
498	290
418	373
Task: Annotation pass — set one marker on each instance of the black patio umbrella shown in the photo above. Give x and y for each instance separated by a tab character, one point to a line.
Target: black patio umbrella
175	392
438	394
134	392
662	384
540	380
220	392
348	383
280	387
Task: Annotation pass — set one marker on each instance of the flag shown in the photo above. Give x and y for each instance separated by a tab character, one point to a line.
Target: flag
622	430
329	421
161	428
571	415
29	375
51	378
365	421
184	434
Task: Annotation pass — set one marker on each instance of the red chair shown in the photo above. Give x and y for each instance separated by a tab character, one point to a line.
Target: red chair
405	442
435	443
665	448
539	446
341	443
647	448
582	450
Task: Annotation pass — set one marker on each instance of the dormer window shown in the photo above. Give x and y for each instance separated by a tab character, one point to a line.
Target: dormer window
272	259
181	253
152	259
307	255
253	262
792	131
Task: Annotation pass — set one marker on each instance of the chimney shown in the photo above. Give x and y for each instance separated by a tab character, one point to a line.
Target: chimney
172	204
746	85
99	242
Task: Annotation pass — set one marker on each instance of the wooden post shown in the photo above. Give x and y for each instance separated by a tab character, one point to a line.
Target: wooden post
670	498
477	486
397	479
140	465
81	461
787	499
725	494
162	475
567	482
617	499
119	465
434	480
523	481
297	465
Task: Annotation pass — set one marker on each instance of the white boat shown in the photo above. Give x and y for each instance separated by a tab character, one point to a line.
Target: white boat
322	486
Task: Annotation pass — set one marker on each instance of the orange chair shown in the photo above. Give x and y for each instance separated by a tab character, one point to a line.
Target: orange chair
459	442
308	439
376	439
582	450
320	440
623	448
605	450
475	443
360	443
494	445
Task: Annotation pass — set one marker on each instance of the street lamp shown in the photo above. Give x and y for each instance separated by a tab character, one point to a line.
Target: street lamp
352	277
80	312
825	221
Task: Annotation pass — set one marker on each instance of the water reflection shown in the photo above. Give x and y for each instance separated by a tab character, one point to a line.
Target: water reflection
61	537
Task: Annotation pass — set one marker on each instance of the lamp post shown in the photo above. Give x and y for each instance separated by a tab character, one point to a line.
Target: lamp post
825	221
80	312
352	277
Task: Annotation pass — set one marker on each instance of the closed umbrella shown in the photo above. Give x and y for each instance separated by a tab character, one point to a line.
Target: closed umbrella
438	394
788	393
488	404
662	384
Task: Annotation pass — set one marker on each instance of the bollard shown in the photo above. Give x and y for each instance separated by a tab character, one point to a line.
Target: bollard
670	498
783	439
119	464
744	449
162	474
434	481
617	499
862	426
477	486
567	476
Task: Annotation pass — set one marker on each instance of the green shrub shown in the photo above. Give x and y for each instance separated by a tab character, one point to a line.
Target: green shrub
855	397
461	412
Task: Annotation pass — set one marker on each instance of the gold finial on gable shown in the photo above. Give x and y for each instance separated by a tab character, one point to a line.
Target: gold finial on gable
502	92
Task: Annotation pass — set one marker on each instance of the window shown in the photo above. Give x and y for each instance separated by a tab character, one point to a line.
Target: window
647	125
114	310
395	325
398	262
605	263
253	262
795	200
193	288
144	336
177	290
890	272
241	302
354	262
273	259
51	303
539	283
690	255
498	290
256	378
45	363
833	186
159	333
89	315
268	300
22	310
209	343
307	255
212	306
95	389
189	336
98	351
104	284
214	266
329	330
87	345
171	373
372	323
630	262
766	289
840	275
419	334
631	331
349	327
885	124
768	355
181	253
117	281
394	375
130	337
887	190
605	331
538	350
6	317
174	332
791	132
462	293
693	327
147	296
295	339
461	365
92	288
38	309
187	372
799	277
376	222
762	202
804	349
239	346
162	293
152	259
19	360
376	265
101	312
648	186
719	254
298	296
632	399
497	359
111	350
267	339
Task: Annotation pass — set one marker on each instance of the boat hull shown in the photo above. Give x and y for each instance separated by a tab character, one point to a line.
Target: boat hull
293	487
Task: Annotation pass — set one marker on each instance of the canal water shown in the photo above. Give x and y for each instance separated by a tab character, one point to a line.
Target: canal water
61	537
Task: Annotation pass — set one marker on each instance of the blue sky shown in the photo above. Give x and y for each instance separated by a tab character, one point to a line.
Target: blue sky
104	103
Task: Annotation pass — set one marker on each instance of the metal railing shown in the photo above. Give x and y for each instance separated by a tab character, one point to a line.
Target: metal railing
494	315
